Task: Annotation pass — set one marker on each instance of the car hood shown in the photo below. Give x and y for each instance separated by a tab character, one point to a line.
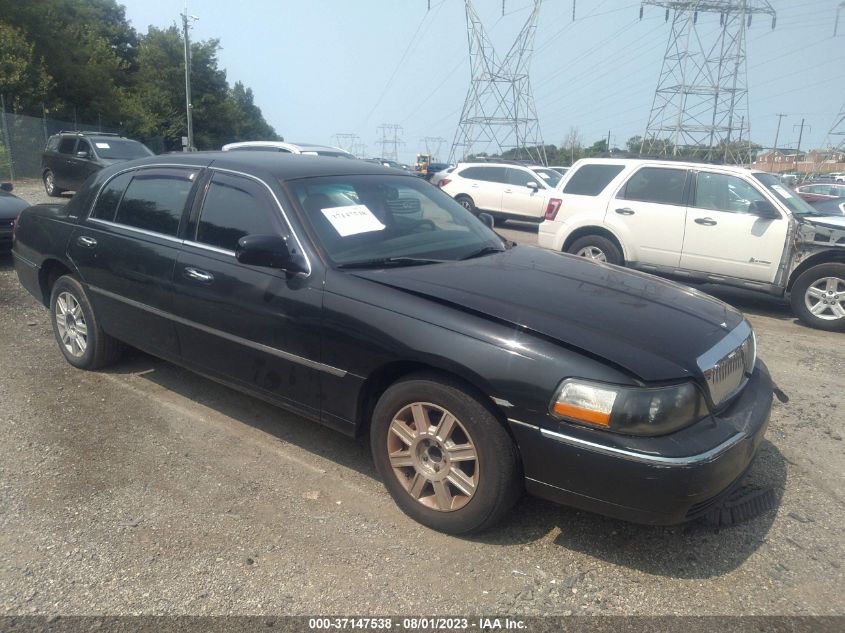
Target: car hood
652	328
837	221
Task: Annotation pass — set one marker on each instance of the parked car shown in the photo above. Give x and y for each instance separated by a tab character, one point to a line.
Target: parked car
71	157
838	176
559	169
10	208
308	149
435	168
814	192
703	223
504	190
477	367
834	207
438	178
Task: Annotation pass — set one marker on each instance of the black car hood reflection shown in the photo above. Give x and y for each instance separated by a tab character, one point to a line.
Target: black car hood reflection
654	329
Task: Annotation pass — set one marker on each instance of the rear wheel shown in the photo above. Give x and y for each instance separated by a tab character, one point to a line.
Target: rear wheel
467	203
444	458
818	297
50	185
597	248
77	330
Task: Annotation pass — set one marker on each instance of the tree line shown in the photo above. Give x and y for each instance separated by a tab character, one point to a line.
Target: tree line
81	60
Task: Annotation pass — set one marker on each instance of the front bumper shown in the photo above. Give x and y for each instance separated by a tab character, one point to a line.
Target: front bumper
660	480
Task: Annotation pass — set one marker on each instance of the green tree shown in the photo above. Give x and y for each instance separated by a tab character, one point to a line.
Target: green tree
23	76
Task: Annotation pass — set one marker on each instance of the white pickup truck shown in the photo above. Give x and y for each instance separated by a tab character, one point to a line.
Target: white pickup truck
703	223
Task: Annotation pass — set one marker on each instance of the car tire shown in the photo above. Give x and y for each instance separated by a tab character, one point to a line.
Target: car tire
818	297
467	203
50	185
459	479
596	248
77	329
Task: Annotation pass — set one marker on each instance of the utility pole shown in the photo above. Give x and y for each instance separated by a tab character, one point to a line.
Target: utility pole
800	136
608	143
188	105
775	148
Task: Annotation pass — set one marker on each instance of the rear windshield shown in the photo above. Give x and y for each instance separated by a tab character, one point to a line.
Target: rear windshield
120	149
591	180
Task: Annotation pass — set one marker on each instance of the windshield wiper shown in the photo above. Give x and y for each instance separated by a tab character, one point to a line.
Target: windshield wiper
381	262
486	250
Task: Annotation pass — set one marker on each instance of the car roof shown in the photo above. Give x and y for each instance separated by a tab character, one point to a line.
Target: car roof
284	145
636	162
280	166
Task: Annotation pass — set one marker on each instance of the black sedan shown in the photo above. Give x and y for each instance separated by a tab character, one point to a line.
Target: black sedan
10	208
370	301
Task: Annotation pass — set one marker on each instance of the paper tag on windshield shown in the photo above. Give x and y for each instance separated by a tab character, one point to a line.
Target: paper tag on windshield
782	191
352	220
102	145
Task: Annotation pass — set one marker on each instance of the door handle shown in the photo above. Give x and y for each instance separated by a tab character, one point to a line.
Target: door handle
508	190
198	275
706	221
625	211
475	186
87	242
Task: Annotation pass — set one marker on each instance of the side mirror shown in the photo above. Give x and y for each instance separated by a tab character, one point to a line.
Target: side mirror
532	185
764	209
486	220
83	155
7	186
270	251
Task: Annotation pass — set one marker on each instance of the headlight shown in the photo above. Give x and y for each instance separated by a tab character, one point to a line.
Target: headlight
630	410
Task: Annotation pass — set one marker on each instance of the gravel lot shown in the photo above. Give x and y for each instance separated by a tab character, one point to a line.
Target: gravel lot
148	489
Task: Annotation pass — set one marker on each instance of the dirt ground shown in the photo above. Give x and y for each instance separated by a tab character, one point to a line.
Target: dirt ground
145	489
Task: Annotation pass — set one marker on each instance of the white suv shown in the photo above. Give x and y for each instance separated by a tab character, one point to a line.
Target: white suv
703	223
504	190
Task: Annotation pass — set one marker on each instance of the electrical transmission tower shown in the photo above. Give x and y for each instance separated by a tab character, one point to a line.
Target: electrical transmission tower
390	140
700	106
499	112
347	141
433	145
836	135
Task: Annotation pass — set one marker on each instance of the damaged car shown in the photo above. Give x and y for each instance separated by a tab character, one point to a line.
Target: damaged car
700	223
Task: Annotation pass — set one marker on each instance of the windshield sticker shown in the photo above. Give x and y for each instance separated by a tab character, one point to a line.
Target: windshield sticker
352	220
102	145
543	176
784	192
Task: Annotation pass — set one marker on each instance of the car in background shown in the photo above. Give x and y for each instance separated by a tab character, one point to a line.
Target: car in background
507	191
434	168
438	178
717	224
833	207
838	176
307	149
559	169
816	191
71	157
10	208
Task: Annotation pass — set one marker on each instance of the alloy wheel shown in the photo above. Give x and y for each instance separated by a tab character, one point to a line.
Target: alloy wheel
825	298
73	330
49	183
592	252
433	456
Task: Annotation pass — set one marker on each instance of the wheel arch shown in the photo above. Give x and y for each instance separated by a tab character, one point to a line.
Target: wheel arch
592	229
388	374
823	257
51	269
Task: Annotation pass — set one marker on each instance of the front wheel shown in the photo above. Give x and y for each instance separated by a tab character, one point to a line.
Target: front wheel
444	458
818	297
597	248
78	333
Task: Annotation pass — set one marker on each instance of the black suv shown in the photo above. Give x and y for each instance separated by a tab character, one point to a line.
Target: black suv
70	157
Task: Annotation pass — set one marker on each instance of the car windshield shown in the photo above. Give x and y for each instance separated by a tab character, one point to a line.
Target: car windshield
120	149
787	197
386	220
549	176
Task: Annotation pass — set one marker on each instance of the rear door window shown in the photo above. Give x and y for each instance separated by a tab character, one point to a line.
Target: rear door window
472	173
656	184
66	145
591	180
110	196
155	199
234	207
496	174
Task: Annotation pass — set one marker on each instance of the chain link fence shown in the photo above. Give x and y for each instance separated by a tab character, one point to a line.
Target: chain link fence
23	138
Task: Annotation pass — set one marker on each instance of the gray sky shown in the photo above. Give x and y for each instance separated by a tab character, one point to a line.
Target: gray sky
320	67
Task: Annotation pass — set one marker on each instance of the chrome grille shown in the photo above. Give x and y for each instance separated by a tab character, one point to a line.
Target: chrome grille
727	366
